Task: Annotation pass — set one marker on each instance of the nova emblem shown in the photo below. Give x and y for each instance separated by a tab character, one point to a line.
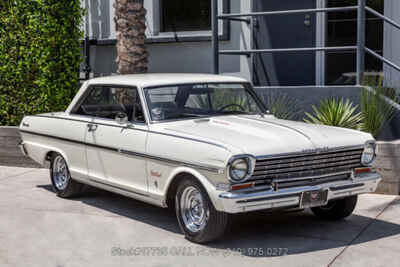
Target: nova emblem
317	150
155	173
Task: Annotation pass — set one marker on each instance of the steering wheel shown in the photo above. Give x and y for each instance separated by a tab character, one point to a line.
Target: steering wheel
232	105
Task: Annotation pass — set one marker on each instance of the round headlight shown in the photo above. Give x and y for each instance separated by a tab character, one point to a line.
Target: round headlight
368	155
240	169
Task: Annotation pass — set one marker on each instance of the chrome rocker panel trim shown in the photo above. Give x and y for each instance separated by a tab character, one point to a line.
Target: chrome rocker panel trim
245	201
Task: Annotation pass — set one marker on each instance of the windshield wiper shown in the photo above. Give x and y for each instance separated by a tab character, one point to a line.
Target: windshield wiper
233	112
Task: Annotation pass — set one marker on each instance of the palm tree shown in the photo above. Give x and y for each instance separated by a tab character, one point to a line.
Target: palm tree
130	23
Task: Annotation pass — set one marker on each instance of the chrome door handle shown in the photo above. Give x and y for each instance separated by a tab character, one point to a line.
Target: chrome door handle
92	127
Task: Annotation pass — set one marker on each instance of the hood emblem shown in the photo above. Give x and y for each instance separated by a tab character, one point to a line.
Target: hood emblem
317	150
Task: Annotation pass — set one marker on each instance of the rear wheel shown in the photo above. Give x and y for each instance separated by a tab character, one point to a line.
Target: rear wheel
337	209
61	179
197	217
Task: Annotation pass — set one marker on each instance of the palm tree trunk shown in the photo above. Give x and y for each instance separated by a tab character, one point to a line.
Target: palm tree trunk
130	23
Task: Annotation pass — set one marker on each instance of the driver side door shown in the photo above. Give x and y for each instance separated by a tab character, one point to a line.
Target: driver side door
112	148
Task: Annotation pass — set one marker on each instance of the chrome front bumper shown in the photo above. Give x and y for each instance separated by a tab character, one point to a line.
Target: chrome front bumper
236	202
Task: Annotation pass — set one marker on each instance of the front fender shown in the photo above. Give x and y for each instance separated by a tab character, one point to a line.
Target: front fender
207	183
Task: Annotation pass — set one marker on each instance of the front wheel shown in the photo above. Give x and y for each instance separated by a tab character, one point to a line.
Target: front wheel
337	209
197	217
61	179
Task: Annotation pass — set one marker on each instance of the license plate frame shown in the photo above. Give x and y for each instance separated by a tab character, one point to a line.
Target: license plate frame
314	198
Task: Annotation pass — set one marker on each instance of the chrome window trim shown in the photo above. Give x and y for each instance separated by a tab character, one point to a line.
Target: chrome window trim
247	86
90	87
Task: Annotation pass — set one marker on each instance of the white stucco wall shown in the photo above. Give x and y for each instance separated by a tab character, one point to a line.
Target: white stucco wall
172	56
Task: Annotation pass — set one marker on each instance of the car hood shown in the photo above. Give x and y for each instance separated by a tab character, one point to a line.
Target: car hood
256	135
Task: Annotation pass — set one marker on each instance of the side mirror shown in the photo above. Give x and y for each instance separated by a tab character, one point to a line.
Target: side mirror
121	118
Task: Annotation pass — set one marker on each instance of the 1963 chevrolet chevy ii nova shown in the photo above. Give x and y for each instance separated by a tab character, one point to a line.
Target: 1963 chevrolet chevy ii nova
203	144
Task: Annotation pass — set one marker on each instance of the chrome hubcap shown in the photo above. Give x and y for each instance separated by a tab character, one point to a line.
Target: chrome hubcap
193	211
60	173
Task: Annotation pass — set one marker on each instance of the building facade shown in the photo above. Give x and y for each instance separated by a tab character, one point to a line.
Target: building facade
179	35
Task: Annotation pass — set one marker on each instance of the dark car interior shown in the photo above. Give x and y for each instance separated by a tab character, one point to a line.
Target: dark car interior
102	104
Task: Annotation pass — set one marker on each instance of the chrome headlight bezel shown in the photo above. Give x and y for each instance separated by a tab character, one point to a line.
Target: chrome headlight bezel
369	154
250	162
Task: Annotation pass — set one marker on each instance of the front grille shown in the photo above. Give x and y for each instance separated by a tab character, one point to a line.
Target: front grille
307	165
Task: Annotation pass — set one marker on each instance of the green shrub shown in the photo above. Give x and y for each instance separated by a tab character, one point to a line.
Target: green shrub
336	112
40	54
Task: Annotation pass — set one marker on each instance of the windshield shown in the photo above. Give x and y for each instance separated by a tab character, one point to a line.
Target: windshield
199	100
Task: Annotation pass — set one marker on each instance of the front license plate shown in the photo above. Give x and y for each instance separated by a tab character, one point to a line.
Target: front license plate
314	198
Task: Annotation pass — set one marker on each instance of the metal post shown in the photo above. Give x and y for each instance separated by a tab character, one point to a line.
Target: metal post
86	50
360	41
214	28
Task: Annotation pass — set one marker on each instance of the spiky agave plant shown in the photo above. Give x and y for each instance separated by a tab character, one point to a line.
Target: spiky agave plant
377	106
336	112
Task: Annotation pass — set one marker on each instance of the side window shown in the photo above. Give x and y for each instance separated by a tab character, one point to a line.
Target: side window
106	102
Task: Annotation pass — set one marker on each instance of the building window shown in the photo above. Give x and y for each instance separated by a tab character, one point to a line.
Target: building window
184	15
342	31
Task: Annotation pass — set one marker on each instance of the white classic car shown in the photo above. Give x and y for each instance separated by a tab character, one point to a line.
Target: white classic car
204	145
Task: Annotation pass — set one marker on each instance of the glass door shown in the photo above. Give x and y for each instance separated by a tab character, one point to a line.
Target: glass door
341	30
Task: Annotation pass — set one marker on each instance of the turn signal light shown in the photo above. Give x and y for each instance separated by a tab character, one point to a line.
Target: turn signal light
241	186
362	170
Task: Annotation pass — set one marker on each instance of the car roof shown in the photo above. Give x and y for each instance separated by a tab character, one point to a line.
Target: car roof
156	79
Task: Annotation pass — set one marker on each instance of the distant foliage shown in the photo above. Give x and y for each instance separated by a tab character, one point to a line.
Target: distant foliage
40	55
282	106
336	112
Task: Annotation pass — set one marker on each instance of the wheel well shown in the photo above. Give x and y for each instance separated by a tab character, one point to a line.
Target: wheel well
47	158
170	199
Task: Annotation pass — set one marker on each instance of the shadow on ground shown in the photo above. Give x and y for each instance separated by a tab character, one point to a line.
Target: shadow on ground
258	234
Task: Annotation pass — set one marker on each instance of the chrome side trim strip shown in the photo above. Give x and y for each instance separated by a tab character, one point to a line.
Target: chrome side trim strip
172	161
118	187
136	154
137	129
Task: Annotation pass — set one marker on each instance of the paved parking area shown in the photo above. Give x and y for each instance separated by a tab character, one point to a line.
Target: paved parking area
104	229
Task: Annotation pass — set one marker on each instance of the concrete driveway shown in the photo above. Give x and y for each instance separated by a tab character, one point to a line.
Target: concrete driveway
103	229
